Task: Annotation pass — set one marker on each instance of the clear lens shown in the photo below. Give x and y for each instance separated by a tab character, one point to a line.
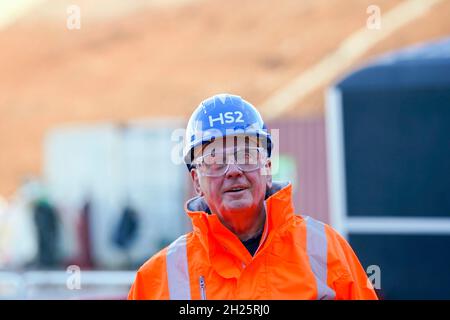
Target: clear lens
216	164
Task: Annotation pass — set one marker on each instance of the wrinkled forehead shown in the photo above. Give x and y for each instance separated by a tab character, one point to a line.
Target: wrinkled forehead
228	143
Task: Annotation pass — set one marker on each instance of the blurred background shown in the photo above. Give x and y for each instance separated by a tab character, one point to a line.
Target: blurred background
91	93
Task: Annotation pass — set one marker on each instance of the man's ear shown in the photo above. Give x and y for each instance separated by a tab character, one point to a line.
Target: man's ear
268	173
196	182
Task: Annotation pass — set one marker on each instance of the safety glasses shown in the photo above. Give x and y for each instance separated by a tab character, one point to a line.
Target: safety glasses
217	163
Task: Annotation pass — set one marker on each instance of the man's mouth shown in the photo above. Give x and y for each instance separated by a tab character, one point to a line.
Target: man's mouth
235	189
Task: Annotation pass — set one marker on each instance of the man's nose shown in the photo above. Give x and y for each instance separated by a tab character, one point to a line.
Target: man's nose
233	170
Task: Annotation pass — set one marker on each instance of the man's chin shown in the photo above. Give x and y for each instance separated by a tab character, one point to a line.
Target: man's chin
238	205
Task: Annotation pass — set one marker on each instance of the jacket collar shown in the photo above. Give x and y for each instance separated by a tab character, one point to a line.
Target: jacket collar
220	242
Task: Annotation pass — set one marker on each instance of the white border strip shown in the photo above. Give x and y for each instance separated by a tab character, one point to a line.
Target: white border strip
336	161
407	225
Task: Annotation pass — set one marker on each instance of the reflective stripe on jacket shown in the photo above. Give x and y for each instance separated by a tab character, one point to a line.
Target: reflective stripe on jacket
298	258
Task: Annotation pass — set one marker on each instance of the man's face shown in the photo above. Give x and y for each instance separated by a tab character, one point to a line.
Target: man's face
235	191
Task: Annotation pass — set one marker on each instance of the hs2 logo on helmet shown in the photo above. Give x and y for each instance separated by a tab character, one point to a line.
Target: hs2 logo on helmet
227	117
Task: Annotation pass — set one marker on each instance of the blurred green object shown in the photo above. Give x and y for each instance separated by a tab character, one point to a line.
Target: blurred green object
287	169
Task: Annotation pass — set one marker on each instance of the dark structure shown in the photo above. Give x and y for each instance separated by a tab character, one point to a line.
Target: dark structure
388	134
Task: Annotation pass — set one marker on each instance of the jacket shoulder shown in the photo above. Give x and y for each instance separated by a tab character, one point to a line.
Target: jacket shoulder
151	278
157	263
337	246
345	272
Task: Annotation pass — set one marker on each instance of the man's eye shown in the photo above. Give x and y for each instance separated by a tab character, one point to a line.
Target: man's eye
217	166
209	160
244	156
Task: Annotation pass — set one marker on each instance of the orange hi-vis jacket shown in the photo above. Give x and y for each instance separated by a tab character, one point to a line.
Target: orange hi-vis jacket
298	258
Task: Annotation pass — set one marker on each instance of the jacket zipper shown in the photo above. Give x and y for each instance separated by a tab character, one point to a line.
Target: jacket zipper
202	288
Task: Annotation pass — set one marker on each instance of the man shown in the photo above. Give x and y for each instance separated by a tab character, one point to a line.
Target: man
247	242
